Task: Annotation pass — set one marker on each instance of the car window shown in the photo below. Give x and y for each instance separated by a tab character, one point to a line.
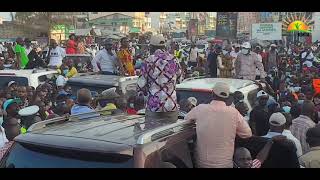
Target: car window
4	80
202	97
30	156
42	79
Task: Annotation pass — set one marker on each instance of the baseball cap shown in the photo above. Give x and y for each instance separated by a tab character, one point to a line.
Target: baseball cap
237	45
28	111
157	40
8	102
193	101
261	93
221	90
277	119
273	45
246	45
11	82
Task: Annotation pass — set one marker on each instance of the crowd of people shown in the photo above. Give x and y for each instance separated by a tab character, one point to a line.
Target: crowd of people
280	131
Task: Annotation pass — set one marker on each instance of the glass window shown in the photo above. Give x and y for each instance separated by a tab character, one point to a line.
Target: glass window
4	80
31	156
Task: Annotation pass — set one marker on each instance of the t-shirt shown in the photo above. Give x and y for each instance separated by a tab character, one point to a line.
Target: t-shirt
105	60
24	58
56	55
71	47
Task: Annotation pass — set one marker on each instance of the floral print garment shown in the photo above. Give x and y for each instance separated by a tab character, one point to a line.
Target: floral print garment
157	82
125	57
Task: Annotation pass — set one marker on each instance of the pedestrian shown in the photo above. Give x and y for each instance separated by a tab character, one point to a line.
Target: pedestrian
11	120
193	56
286	132
105	61
216	134
226	65
22	57
80	46
12	86
272	58
23	96
27	46
213	61
247	62
107	101
312	158
242	157
83	105
55	54
63	104
301	124
125	58
71	71
159	88
259	116
35	61
71	45
43	114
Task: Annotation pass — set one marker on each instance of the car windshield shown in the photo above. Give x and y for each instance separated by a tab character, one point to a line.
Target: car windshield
21	81
30	156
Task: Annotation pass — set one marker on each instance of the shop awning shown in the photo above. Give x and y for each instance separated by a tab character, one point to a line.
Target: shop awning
134	30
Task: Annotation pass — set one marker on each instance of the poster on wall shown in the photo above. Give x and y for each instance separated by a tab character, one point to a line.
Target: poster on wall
267	31
226	27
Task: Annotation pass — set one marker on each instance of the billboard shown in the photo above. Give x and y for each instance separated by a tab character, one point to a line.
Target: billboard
226	25
267	31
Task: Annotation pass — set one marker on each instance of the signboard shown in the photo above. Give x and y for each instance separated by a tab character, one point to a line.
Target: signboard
267	31
226	25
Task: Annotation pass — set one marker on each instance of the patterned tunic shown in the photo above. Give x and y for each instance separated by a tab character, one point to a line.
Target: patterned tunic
157	82
125	57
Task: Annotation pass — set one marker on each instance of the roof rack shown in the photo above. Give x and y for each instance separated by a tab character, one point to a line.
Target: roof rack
164	131
65	118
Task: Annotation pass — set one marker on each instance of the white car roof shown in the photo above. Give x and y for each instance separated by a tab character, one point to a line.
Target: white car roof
26	72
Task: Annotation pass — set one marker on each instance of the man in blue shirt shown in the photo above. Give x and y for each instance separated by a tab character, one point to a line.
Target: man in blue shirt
83	109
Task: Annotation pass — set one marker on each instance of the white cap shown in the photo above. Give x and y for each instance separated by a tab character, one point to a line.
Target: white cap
193	101
273	45
110	93
246	45
11	82
262	93
28	111
157	40
277	119
61	81
308	63
237	45
221	90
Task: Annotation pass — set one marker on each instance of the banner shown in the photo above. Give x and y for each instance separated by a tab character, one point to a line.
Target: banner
226	25
267	31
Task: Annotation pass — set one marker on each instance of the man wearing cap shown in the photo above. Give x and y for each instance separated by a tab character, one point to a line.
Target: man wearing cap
157	83
259	116
277	122
247	62
217	125
105	60
272	58
11	122
13	86
312	158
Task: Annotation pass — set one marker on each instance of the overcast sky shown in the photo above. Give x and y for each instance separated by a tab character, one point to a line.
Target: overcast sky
6	16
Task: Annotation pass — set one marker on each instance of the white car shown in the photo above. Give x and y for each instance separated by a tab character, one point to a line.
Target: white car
28	77
201	88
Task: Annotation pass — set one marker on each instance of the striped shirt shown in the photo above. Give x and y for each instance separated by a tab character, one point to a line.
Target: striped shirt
299	129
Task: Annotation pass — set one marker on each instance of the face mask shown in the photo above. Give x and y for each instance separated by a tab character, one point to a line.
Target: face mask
1	120
131	105
65	71
286	109
300	101
245	51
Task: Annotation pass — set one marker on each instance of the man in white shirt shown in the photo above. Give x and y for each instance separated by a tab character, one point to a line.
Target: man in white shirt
27	44
105	60
193	57
56	54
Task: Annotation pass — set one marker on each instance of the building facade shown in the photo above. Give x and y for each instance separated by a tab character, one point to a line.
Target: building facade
245	21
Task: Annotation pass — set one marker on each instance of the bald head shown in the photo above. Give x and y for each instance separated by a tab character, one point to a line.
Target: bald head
308	108
84	96
242	157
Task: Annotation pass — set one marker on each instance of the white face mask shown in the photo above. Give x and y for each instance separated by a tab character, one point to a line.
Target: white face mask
245	51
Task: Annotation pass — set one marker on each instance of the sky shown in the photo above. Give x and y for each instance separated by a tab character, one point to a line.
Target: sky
6	16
